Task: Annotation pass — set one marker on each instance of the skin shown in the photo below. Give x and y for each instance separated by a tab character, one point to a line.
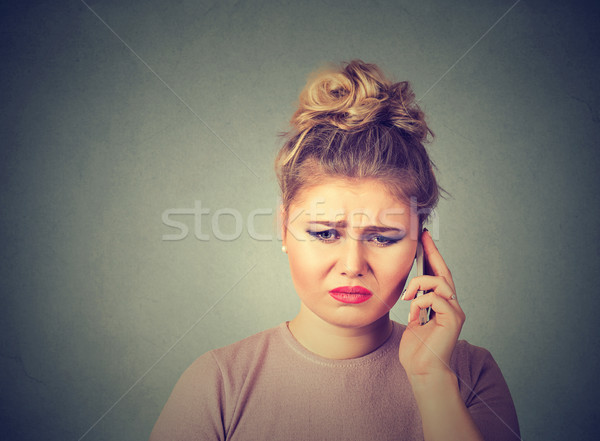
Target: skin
344	249
352	255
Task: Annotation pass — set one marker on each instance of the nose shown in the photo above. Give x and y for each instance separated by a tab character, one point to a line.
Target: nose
353	262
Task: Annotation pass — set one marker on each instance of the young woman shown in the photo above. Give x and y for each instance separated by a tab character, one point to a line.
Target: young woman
357	186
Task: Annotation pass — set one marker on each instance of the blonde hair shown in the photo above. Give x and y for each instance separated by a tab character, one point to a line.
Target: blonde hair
352	122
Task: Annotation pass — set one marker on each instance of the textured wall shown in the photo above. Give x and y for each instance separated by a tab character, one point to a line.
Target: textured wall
109	120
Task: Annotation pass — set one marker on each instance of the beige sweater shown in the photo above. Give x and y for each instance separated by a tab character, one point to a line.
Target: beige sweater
269	387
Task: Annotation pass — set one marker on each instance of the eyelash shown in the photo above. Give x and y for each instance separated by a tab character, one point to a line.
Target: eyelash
318	235
387	241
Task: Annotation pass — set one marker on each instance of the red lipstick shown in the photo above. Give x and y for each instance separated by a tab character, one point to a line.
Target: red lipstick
351	294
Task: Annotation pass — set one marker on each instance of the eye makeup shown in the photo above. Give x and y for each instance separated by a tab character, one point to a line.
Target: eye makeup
324	235
376	239
382	241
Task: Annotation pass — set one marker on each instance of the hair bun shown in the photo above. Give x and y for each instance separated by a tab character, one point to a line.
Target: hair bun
355	96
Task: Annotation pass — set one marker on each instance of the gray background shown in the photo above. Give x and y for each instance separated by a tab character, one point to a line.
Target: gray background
97	143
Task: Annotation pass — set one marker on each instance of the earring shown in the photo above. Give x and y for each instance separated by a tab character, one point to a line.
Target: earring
284	249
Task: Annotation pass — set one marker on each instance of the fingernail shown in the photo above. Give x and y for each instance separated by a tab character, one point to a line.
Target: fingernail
408	319
402	295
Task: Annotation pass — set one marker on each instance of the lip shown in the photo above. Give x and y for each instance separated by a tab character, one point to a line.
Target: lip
351	294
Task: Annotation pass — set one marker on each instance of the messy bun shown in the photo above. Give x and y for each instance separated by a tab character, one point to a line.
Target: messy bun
352	122
356	97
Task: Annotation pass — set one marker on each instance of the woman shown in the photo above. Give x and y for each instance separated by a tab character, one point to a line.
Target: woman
357	186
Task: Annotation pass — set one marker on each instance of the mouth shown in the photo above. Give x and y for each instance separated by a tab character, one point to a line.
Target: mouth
351	294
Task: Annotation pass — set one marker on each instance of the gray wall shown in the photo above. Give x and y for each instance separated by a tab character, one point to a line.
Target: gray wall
103	129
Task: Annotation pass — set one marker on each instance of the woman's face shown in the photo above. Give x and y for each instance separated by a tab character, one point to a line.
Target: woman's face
346	234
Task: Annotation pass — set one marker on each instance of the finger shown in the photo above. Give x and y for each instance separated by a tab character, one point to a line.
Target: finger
428	283
440	305
434	259
436	285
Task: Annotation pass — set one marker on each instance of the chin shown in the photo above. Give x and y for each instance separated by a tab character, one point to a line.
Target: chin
349	317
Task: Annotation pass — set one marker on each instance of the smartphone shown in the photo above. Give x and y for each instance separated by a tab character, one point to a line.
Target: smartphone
425	312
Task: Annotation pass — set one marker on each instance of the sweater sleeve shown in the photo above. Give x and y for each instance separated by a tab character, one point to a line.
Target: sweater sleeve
195	408
486	394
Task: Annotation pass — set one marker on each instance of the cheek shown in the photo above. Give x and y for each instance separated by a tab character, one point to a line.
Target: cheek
308	265
392	270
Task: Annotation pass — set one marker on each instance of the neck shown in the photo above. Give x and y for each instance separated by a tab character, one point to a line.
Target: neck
338	342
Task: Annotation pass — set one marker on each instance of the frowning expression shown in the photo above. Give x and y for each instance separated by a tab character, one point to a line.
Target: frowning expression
346	233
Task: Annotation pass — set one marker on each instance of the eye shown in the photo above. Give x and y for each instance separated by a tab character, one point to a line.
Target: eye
382	241
325	235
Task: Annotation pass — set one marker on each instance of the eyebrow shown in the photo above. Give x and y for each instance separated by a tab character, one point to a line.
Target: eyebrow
369	228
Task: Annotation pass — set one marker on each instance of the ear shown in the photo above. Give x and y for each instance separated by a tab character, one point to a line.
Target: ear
283	224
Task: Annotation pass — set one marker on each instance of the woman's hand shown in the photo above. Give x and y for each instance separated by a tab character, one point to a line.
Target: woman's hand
425	350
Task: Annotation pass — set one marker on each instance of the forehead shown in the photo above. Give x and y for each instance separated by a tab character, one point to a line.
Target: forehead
365	201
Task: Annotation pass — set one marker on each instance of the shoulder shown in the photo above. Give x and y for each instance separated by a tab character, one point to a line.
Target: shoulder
473	365
484	391
228	367
476	368
249	348
215	363
203	398
467	355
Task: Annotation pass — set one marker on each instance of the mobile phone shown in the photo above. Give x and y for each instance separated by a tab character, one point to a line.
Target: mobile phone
424	312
